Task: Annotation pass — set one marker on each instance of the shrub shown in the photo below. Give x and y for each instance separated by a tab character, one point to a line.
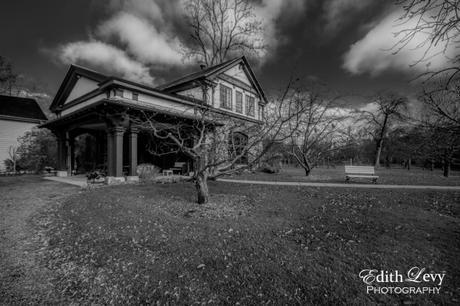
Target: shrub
37	149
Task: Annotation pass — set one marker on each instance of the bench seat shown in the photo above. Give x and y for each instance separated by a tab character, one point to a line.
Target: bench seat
358	175
360	172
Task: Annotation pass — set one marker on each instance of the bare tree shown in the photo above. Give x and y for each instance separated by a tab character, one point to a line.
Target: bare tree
440	20
217	143
389	106
13	156
220	28
8	78
317	134
441	118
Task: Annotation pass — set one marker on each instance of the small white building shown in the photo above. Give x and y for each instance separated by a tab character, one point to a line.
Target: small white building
17	116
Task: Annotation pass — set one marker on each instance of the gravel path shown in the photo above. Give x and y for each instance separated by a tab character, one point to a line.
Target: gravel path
351	185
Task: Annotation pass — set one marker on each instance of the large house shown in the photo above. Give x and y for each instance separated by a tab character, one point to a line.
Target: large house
17	116
95	104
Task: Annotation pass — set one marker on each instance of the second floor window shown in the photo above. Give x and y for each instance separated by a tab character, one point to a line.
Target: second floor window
225	97
250	105
239	102
119	92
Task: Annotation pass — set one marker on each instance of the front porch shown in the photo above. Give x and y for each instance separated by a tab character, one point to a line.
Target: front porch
104	139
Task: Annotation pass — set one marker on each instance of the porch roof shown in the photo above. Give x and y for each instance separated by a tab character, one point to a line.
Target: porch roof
125	103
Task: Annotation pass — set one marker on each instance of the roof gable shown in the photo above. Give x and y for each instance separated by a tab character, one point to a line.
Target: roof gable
68	85
19	107
215	71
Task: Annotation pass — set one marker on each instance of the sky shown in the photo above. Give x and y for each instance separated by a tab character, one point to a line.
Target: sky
345	44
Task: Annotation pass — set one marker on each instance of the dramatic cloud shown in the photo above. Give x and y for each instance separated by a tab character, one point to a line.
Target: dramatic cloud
142	39
270	12
144	35
374	53
108	57
340	12
143	8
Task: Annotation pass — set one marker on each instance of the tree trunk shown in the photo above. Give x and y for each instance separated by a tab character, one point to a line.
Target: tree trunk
446	166
201	184
380	142
306	166
378	152
409	161
431	164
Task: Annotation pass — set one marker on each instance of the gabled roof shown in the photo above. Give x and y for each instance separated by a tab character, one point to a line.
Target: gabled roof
69	81
19	107
211	72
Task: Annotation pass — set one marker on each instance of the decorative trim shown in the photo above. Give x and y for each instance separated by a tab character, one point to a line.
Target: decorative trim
20	119
237	82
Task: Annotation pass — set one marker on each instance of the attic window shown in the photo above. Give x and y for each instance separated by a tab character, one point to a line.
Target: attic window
135	96
119	92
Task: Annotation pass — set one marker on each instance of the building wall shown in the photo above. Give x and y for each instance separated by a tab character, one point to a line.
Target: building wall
218	103
9	133
195	92
238	73
82	87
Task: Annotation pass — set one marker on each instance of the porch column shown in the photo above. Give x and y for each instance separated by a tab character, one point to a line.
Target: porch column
69	154
115	151
73	164
133	151
61	152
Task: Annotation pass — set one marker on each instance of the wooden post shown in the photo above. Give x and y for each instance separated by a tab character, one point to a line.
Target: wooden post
110	162
69	154
118	150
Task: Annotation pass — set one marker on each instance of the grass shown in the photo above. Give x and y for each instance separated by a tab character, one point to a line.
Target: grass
143	244
396	176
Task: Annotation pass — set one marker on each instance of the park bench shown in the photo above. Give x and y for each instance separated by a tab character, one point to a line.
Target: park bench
360	172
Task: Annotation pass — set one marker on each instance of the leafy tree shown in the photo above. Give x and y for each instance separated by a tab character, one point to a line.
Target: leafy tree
37	150
222	28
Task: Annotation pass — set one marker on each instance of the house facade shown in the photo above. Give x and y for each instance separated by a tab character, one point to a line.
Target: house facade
17	116
91	103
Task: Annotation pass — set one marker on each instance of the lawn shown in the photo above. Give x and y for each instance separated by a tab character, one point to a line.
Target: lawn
141	244
395	175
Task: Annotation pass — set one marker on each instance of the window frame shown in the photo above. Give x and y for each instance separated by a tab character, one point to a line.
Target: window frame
228	93
119	92
239	106
250	101
135	96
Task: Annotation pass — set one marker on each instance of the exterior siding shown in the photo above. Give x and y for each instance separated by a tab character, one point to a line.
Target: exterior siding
9	133
238	73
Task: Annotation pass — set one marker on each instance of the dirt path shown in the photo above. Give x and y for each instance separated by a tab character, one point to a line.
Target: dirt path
22	199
